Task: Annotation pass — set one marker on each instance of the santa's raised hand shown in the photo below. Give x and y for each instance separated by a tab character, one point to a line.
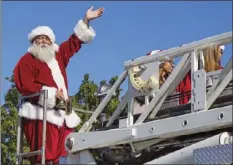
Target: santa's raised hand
93	14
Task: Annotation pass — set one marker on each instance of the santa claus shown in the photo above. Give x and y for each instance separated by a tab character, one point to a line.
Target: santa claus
44	67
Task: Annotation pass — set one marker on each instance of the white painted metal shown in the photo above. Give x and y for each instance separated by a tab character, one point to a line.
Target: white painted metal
85	140
147	100
118	110
219	89
221	39
82	157
199	90
220	78
228	140
201	60
130	110
175	126
123	123
164	88
88	124
194	68
82	111
19	141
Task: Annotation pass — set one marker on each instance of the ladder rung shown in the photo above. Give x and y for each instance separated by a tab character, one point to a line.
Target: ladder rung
28	154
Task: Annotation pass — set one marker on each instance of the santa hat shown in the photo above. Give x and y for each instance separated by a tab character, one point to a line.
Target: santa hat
222	47
155	52
43	30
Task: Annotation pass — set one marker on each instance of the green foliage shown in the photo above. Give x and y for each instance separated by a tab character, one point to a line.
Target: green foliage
8	133
9	125
87	99
12	94
11	80
115	99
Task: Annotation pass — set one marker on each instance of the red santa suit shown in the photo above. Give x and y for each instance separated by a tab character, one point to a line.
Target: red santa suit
184	88
31	75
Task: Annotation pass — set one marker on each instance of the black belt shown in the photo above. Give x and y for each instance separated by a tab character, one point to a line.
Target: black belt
55	108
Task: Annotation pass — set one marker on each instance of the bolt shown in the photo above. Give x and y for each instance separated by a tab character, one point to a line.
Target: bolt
69	143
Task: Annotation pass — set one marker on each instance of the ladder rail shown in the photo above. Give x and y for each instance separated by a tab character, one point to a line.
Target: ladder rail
28	154
19	141
19	147
221	39
45	95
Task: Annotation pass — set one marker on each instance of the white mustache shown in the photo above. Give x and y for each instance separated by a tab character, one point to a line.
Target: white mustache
43	45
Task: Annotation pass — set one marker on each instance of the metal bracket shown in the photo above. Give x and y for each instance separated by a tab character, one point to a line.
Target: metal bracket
199	90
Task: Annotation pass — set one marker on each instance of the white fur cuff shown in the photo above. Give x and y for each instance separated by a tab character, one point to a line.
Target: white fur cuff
51	101
56	117
33	112
72	120
83	32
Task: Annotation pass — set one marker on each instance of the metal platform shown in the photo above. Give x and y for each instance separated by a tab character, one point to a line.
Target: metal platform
220	154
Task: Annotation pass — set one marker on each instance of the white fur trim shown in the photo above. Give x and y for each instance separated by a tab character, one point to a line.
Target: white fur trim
154	52
56	117
42	30
57	76
72	120
51	101
83	32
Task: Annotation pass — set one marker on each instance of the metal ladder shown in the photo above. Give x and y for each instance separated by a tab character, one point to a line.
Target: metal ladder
19	150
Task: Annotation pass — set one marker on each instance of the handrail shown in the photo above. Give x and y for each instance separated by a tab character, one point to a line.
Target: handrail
32	95
221	39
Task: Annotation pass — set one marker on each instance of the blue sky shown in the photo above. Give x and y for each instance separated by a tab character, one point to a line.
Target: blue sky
125	31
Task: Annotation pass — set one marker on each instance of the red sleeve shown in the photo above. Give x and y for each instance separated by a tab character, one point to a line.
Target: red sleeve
24	78
26	84
82	34
68	48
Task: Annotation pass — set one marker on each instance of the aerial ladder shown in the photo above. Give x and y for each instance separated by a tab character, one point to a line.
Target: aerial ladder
159	130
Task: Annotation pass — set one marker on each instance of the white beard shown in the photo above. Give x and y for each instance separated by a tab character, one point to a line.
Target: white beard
43	52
